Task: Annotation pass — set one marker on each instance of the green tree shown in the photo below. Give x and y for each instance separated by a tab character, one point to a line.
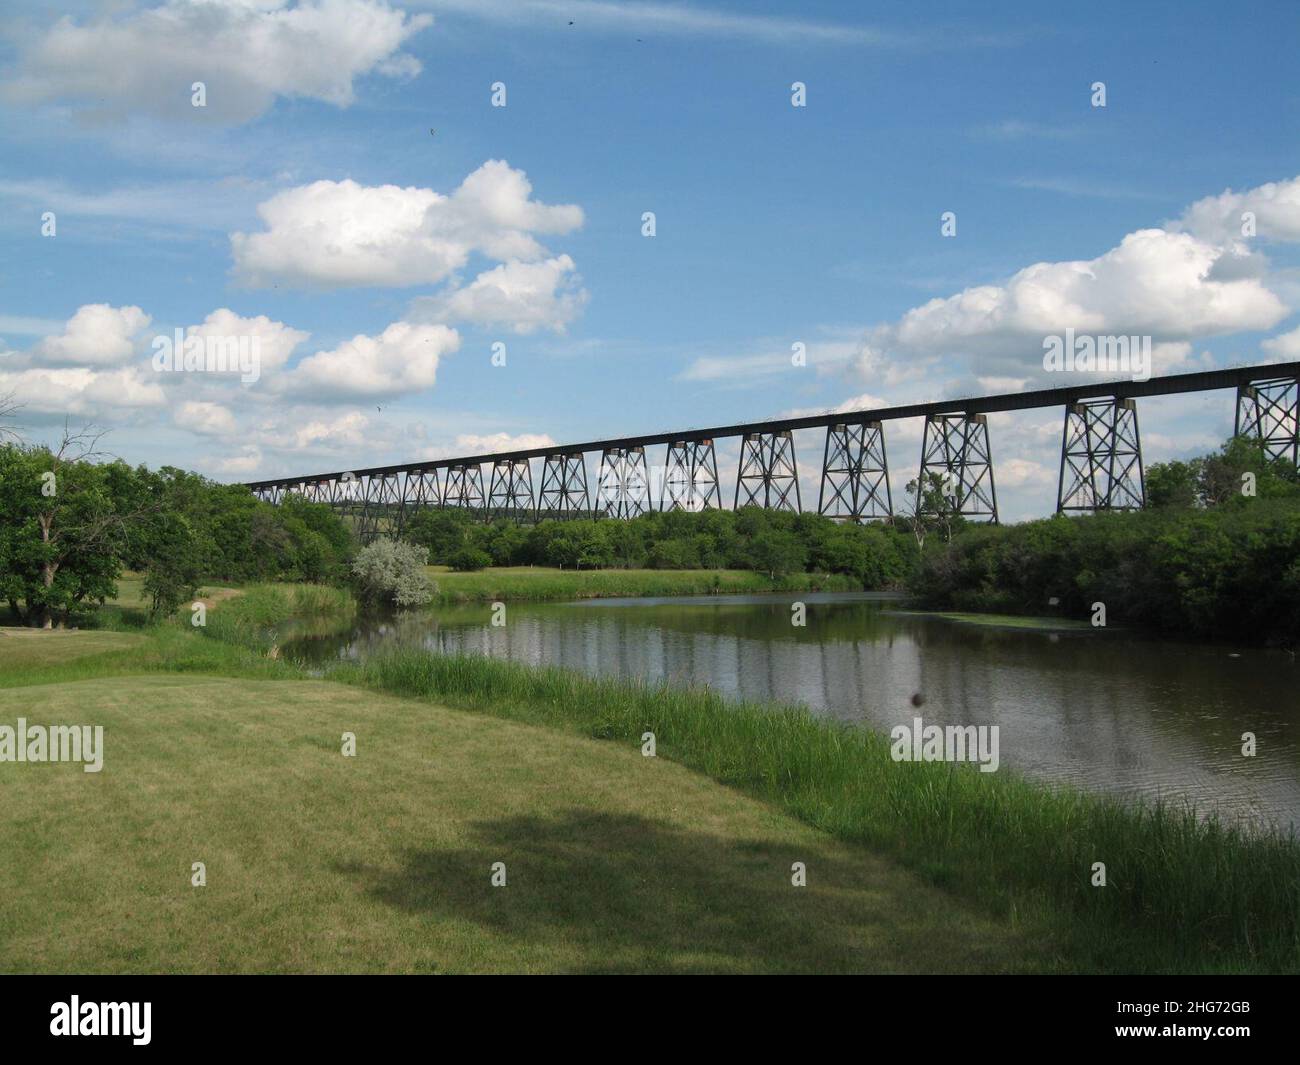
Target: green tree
442	532
173	567
1173	484
62	535
778	553
469	560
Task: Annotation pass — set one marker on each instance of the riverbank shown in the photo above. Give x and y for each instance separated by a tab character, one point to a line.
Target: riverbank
545	584
384	862
1181	895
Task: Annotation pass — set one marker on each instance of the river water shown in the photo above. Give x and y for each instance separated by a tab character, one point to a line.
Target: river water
1102	709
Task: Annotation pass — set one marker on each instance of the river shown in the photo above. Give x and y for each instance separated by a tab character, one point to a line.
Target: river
1106	710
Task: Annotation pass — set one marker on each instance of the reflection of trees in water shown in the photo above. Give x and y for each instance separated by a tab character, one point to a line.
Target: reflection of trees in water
1110	710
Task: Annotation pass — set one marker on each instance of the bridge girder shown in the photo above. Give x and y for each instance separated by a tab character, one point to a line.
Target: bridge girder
1101	459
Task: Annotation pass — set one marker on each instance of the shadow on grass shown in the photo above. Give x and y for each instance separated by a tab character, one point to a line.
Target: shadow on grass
618	892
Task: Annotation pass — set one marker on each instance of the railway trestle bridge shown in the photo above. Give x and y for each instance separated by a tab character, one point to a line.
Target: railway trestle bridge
1100	466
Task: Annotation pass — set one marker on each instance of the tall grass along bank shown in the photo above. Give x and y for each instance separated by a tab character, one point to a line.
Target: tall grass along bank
548	584
1182	893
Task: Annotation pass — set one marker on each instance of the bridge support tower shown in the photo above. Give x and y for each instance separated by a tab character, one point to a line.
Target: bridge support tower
956	448
768	475
623	487
855	473
690	477
1101	457
1269	411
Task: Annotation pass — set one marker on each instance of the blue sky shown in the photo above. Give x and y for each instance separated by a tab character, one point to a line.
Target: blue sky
376	311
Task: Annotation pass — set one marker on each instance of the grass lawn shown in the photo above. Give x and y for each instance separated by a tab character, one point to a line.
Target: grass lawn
22	648
218	751
382	862
547	583
131	595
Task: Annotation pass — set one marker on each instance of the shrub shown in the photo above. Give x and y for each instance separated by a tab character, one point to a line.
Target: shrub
392	571
469	559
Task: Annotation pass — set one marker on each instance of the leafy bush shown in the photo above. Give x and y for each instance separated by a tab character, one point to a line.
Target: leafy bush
392	571
469	559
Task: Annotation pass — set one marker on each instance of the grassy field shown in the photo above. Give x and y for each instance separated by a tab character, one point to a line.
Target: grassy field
1182	894
382	862
545	583
131	594
248	756
25	648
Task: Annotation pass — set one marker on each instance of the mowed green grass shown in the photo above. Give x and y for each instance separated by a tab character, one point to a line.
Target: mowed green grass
22	648
382	862
547	583
131	593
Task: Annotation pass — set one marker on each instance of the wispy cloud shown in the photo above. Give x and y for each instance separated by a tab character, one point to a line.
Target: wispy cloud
17	325
210	205
1015	129
1085	187
647	16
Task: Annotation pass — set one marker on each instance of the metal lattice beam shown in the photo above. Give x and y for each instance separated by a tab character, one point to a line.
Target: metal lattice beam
511	491
690	477
623	487
1174	384
563	492
1269	411
464	487
1101	457
956	447
768	475
855	473
381	510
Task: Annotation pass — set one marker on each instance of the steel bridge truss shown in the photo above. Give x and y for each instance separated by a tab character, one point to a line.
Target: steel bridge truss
1101	460
768	475
855	473
463	487
1101	457
563	491
690	477
956	449
623	487
1269	411
511	491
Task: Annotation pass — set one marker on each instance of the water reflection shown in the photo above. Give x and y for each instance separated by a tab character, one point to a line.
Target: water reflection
1105	710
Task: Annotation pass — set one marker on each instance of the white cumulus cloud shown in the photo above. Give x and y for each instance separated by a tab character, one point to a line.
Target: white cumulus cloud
208	419
96	335
403	358
521	297
1194	279
1220	219
332	234
246	52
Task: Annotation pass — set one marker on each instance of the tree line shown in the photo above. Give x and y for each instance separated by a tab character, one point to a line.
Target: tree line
70	524
772	542
1215	554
